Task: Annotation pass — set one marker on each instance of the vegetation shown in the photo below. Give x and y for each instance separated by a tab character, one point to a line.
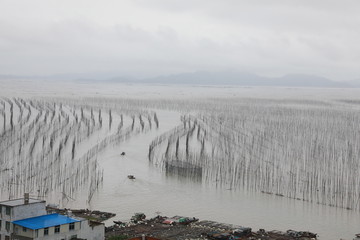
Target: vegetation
120	237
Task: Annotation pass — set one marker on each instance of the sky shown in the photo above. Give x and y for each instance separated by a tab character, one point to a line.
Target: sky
145	38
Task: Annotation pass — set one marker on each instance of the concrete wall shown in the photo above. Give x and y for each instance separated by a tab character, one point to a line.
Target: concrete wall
4	218
23	211
3	231
92	232
18	230
28	211
15	237
58	236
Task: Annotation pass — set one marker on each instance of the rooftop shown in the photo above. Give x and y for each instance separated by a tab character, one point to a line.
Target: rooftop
45	221
20	201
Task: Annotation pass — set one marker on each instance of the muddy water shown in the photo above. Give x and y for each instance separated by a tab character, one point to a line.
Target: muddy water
154	193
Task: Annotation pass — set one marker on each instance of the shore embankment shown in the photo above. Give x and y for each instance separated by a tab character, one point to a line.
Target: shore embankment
182	228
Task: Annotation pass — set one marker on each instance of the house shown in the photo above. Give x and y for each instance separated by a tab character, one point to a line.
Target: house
13	210
57	227
27	219
50	226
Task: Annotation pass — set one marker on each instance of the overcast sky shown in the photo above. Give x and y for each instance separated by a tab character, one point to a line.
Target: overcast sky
153	37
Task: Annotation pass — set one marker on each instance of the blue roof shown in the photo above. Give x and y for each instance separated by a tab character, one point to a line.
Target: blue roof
45	221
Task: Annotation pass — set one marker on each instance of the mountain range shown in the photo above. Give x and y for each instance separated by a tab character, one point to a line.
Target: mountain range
205	78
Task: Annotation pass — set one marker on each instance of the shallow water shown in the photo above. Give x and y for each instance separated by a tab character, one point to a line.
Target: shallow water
152	192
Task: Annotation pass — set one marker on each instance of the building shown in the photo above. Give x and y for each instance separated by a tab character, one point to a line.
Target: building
27	219
57	227
51	226
17	209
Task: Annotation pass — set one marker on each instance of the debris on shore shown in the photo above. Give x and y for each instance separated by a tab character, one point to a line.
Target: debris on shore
138	217
92	215
184	228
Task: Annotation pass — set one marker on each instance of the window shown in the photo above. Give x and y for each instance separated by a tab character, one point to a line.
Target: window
36	233
73	237
7	237
7	210
71	226
0	225
24	229
7	226
57	229
46	231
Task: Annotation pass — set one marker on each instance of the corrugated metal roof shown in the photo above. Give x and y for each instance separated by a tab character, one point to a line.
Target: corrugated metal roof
45	221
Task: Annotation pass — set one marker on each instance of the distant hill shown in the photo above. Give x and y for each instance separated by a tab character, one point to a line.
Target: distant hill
246	79
203	78
354	83
9	77
302	80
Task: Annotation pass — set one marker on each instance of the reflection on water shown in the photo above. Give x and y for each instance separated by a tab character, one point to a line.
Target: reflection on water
185	170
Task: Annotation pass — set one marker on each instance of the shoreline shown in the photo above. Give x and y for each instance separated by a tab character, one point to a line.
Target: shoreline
182	228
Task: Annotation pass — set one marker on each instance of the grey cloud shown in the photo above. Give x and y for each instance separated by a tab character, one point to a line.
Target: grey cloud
159	37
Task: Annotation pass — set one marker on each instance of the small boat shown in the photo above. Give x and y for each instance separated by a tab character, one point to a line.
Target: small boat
131	177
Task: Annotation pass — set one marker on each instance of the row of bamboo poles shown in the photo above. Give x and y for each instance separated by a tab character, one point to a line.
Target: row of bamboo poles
49	147
306	150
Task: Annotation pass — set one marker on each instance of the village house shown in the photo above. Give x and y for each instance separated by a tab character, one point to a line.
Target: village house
27	219
51	226
18	209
